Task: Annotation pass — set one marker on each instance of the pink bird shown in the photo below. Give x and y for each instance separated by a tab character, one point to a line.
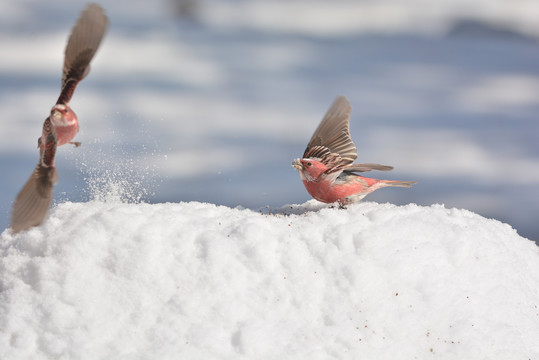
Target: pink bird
327	169
33	201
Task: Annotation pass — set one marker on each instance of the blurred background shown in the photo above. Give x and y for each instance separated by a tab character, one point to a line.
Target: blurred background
210	100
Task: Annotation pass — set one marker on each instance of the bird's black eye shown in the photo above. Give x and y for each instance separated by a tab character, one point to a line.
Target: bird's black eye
309	164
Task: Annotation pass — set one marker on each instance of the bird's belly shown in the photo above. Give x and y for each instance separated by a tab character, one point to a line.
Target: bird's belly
66	133
326	192
346	192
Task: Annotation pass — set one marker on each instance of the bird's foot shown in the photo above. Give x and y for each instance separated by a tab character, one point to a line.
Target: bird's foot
342	206
75	143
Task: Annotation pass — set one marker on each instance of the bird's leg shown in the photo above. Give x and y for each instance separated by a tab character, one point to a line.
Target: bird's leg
75	143
342	206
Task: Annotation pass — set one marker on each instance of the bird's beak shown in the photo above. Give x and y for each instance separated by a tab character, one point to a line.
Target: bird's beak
297	164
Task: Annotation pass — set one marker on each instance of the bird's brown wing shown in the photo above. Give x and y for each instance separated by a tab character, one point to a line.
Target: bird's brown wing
331	141
33	201
367	167
81	48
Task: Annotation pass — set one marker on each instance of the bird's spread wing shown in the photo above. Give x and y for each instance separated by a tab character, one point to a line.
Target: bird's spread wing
81	48
331	141
367	167
33	201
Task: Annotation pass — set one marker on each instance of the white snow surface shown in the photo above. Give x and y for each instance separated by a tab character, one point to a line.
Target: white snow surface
192	280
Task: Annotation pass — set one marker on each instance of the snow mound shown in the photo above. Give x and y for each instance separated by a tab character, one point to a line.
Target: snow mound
106	280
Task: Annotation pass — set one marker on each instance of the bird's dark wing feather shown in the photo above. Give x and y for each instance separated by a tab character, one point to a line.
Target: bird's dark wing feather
81	48
47	149
331	141
367	167
33	201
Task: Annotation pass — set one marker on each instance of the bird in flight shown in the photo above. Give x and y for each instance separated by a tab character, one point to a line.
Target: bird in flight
33	201
327	168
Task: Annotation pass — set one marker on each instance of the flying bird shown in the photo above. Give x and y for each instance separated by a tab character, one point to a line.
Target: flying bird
33	201
327	168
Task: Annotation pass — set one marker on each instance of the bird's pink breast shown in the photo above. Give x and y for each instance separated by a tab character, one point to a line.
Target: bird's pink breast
66	133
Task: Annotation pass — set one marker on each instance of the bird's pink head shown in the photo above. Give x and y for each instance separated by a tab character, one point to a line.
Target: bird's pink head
62	115
309	169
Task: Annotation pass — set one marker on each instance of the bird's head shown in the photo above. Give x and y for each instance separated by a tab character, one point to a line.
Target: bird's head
62	115
309	169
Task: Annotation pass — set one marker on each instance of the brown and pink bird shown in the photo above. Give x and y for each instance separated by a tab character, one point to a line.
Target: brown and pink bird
327	168
33	201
